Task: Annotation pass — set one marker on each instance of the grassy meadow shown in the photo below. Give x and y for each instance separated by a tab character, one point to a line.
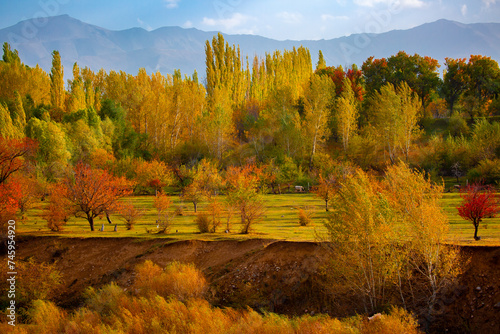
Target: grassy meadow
280	221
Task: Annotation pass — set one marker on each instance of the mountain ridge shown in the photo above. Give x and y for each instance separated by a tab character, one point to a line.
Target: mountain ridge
171	47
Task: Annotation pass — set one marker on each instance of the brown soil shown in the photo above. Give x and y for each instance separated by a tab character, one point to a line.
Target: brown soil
271	275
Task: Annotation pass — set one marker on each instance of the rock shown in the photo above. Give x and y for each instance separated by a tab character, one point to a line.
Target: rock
497	305
478	288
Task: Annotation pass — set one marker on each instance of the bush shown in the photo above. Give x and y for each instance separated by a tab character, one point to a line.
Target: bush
202	222
457	125
488	171
112	310
47	317
179	211
130	214
180	280
305	216
208	221
34	281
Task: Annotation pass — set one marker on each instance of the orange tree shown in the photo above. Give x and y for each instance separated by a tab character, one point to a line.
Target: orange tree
326	188
91	193
478	202
12	153
242	194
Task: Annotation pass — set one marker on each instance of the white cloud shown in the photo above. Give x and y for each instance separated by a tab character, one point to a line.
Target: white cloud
187	24
170	4
463	10
288	17
488	3
329	17
236	20
397	3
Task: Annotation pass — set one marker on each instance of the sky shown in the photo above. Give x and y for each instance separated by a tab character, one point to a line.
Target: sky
277	19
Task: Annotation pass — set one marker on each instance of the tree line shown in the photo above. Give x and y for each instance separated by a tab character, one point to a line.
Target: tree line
251	127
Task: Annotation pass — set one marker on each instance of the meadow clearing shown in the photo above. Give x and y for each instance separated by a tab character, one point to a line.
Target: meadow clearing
280	222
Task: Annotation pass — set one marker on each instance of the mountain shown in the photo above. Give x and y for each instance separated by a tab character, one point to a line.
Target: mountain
169	48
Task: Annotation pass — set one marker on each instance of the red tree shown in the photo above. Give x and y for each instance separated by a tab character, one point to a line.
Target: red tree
94	192
11	153
478	203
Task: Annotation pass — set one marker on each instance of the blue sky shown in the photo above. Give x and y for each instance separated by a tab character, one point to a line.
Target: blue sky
278	19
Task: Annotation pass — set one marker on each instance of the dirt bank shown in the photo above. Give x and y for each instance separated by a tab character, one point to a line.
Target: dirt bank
278	276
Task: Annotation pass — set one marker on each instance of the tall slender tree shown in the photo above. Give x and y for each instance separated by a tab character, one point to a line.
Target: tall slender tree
57	93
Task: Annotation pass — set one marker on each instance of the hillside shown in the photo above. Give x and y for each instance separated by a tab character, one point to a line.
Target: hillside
169	48
279	276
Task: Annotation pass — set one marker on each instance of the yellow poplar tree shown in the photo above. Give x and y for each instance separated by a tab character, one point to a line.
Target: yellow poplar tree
347	114
57	92
318	96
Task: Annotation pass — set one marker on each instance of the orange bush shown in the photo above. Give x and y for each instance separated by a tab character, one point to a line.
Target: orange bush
180	280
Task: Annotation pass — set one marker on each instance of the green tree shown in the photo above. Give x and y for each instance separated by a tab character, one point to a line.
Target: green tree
483	83
420	73
454	81
53	153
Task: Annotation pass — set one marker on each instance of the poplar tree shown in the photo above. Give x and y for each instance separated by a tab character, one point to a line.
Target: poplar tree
347	114
318	96
57	81
77	96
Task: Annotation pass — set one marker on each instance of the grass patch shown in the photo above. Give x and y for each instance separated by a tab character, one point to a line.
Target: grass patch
280	221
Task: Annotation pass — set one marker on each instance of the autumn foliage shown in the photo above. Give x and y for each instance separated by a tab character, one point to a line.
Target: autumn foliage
59	210
242	188
12	196
92	192
478	202
170	300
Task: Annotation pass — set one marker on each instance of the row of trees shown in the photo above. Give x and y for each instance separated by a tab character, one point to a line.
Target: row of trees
276	106
292	124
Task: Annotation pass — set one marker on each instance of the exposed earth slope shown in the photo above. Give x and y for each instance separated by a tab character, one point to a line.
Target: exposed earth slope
278	276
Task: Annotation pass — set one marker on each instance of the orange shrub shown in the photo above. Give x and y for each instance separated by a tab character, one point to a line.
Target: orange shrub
180	280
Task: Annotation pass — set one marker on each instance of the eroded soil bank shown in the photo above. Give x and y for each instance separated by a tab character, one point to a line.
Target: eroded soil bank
278	276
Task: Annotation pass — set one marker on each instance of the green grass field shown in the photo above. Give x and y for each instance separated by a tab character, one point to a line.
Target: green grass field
280	221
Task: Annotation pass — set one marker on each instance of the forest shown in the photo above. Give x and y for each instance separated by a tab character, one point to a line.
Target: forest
373	142
271	124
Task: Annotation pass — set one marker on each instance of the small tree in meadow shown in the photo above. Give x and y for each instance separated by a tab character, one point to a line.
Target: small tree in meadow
93	192
130	214
305	216
58	212
479	202
162	205
242	194
326	188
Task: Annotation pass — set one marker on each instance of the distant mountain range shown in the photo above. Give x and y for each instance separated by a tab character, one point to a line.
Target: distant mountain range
169	48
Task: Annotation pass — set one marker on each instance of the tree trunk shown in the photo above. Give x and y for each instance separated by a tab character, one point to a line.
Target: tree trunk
91	222
476	226
326	205
195	206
